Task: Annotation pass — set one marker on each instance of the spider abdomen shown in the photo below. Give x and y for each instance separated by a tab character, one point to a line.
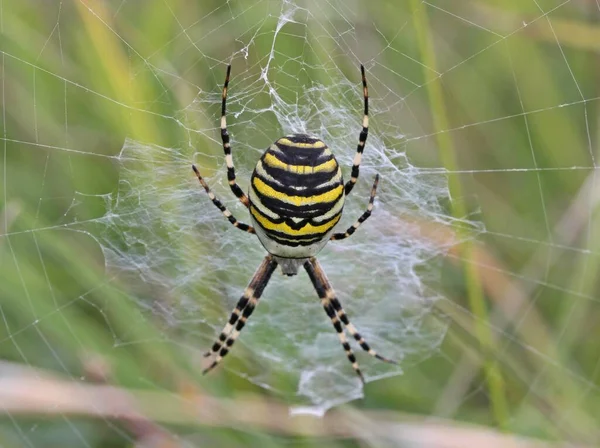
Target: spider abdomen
296	196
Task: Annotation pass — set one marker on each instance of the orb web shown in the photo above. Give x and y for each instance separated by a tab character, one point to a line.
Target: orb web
162	231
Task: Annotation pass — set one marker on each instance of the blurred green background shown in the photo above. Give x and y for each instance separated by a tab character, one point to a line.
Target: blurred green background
503	96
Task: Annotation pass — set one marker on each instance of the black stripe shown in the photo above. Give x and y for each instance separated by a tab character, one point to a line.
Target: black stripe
303	211
304	193
309	180
225	138
310	238
291	223
304	240
362	138
286	151
295	243
219	204
230	173
302	138
237	190
300	156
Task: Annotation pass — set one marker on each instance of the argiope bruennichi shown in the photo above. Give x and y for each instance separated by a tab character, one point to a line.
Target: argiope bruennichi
295	200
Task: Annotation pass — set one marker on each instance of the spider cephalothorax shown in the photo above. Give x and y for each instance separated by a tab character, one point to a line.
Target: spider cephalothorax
296	198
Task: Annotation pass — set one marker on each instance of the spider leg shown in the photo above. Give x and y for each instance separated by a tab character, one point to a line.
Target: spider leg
242	311
227	146
362	138
321	279
220	206
325	293
363	217
352	330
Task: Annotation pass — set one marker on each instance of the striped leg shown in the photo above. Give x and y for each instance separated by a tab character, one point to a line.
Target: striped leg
363	217
335	303
362	138
242	311
352	330
220	206
325	293
227	147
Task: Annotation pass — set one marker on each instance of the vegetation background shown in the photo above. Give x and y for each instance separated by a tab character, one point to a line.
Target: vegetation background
520	363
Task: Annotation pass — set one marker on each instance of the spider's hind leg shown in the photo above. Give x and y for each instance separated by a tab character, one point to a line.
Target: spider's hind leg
242	311
327	295
352	330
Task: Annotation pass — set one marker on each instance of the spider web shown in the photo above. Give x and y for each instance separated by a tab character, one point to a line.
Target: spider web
295	69
164	215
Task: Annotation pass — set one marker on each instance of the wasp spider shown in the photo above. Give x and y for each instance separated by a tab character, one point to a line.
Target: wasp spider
295	200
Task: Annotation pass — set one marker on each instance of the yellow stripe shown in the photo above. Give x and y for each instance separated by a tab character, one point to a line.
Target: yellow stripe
287	142
274	162
269	192
308	229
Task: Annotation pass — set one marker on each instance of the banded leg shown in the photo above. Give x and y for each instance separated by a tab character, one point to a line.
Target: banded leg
242	311
325	292
363	217
335	303
337	306
227	147
362	138
220	206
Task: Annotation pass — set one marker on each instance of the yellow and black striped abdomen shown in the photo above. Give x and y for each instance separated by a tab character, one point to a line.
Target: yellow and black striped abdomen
296	196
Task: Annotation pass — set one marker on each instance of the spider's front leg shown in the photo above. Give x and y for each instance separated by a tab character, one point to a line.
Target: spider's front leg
227	145
362	138
242	311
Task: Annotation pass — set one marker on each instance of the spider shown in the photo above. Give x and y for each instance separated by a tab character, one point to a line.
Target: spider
295	200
